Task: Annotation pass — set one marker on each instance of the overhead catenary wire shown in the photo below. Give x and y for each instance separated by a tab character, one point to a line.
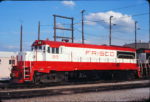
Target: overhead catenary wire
139	14
119	8
79	23
100	36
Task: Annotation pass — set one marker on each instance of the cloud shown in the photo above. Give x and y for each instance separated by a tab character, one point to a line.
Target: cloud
68	3
123	22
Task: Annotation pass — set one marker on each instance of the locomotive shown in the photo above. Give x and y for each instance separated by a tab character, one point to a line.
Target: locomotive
54	61
143	56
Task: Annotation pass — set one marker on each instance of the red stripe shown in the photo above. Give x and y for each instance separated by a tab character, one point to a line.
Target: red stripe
45	66
147	51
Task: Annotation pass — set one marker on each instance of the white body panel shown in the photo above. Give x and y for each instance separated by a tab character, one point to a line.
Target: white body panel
74	54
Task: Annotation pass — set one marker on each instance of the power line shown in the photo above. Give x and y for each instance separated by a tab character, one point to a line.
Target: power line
125	7
89	33
59	23
140	14
100	36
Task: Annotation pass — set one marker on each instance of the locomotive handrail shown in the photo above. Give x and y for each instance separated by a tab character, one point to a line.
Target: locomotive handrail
149	59
29	63
24	65
141	66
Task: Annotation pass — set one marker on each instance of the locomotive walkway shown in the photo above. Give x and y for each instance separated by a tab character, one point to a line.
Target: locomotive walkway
71	89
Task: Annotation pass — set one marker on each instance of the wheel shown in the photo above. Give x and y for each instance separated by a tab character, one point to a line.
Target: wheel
37	78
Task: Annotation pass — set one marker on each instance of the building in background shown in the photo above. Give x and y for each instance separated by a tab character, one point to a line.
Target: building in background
139	45
7	60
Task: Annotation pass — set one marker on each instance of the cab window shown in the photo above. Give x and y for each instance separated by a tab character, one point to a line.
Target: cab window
48	49
35	47
43	48
40	47
55	50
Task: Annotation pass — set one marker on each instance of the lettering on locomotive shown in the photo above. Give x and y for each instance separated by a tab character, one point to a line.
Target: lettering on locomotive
100	53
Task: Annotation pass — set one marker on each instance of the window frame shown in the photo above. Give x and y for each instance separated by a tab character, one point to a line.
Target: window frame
49	49
57	50
125	55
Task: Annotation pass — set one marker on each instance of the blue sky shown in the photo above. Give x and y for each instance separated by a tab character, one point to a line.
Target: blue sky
28	13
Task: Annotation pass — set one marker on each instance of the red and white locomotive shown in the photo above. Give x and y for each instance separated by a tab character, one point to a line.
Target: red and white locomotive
61	61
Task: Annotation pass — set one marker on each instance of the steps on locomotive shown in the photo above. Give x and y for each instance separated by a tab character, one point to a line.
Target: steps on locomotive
145	69
27	73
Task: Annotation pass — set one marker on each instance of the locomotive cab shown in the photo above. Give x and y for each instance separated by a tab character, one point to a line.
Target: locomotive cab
29	62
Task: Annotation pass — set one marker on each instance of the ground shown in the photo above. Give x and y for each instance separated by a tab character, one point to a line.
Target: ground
138	94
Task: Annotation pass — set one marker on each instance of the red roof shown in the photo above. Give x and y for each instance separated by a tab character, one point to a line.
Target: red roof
58	44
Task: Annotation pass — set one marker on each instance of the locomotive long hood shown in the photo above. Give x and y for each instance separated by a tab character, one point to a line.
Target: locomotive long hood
57	44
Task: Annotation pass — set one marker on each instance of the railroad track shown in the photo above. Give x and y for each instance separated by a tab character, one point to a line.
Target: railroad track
8	85
71	89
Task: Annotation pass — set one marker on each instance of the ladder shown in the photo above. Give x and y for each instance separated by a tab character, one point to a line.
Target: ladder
27	72
141	67
144	68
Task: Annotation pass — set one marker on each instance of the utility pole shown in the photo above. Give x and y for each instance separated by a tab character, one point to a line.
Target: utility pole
110	28
149	18
21	28
72	30
82	12
135	34
54	27
39	30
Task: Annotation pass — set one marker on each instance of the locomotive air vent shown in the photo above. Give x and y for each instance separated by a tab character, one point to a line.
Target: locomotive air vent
65	40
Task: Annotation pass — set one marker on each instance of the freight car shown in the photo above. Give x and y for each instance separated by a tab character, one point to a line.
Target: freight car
7	60
53	61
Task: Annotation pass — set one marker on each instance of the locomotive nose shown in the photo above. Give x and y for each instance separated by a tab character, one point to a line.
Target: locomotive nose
14	75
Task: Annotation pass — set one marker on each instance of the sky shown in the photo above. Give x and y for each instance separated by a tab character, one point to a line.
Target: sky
96	18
